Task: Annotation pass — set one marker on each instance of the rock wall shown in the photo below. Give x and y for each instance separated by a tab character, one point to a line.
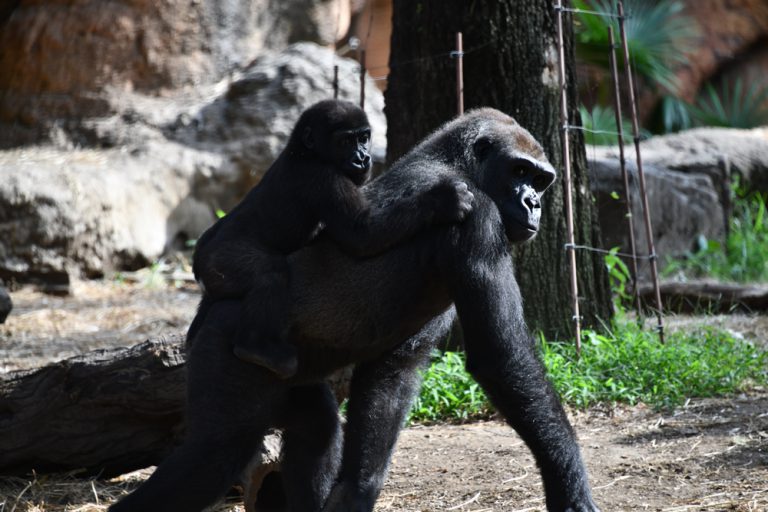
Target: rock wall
63	61
730	32
688	179
116	191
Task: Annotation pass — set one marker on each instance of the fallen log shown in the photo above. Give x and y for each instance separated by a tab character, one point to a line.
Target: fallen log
708	296
108	411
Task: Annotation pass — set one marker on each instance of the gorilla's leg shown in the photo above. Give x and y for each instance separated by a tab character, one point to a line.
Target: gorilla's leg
501	355
228	411
311	446
382	391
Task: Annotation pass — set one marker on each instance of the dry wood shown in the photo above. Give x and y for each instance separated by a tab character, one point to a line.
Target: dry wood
107	411
709	296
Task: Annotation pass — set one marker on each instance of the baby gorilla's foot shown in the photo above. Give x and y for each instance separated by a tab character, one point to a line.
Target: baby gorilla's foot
277	357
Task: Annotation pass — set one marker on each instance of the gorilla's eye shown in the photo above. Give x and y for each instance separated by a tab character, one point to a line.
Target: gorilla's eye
482	147
539	182
519	171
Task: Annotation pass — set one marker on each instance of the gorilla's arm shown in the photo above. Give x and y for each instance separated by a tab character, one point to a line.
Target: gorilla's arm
502	356
363	229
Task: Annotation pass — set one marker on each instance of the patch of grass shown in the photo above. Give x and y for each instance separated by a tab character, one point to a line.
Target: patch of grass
743	258
449	393
629	366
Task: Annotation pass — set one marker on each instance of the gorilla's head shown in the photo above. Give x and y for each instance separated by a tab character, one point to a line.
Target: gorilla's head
507	164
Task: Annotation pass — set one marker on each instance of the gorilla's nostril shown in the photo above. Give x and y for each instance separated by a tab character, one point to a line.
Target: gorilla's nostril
532	202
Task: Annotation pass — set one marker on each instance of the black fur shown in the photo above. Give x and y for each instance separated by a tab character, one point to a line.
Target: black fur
314	183
385	314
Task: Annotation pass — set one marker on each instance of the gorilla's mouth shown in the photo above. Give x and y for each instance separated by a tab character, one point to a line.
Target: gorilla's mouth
533	227
359	167
520	231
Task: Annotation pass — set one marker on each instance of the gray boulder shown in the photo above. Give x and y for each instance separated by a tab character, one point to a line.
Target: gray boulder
62	61
720	153
87	211
683	207
116	192
253	119
688	178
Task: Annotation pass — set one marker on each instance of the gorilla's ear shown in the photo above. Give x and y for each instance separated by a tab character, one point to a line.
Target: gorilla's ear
307	138
482	147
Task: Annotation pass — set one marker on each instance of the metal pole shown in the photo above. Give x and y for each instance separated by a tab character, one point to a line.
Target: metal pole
571	246
640	175
623	165
362	79
335	81
459	73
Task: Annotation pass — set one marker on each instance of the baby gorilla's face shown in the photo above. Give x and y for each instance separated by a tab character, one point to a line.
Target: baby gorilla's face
351	152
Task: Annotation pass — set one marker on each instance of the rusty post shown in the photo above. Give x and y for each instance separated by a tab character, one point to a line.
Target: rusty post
459	54
362	79
640	175
335	81
571	245
623	166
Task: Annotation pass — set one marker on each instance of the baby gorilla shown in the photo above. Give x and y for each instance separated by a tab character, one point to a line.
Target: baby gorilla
313	185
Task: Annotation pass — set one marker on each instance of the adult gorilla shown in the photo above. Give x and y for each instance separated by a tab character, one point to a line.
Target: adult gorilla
384	315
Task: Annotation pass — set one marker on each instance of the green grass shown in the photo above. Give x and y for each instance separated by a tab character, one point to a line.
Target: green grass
630	366
449	393
627	366
743	257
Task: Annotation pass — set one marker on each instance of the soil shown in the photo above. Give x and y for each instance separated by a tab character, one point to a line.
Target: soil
711	454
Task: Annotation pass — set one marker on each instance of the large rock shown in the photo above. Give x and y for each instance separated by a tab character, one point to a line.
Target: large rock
62	61
117	191
253	119
683	207
689	176
88	211
728	31
714	151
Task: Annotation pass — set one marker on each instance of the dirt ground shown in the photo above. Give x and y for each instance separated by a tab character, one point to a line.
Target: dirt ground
709	455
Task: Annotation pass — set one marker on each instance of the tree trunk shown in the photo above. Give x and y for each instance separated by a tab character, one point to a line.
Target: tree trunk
510	63
108	411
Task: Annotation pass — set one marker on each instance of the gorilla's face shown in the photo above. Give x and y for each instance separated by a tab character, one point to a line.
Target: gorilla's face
514	173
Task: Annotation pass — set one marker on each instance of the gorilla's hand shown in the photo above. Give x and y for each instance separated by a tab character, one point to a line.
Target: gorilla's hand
579	502
346	497
451	200
583	507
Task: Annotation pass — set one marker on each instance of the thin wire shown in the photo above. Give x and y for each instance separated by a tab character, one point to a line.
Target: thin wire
586	11
603	251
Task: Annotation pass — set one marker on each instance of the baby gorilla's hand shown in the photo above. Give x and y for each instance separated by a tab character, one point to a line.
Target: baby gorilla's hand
452	201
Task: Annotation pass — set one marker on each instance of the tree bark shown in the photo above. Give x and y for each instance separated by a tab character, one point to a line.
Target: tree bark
108	411
708	295
510	63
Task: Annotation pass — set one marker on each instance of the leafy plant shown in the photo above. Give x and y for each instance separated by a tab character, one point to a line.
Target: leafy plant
620	278
675	115
600	126
449	393
736	107
658	35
